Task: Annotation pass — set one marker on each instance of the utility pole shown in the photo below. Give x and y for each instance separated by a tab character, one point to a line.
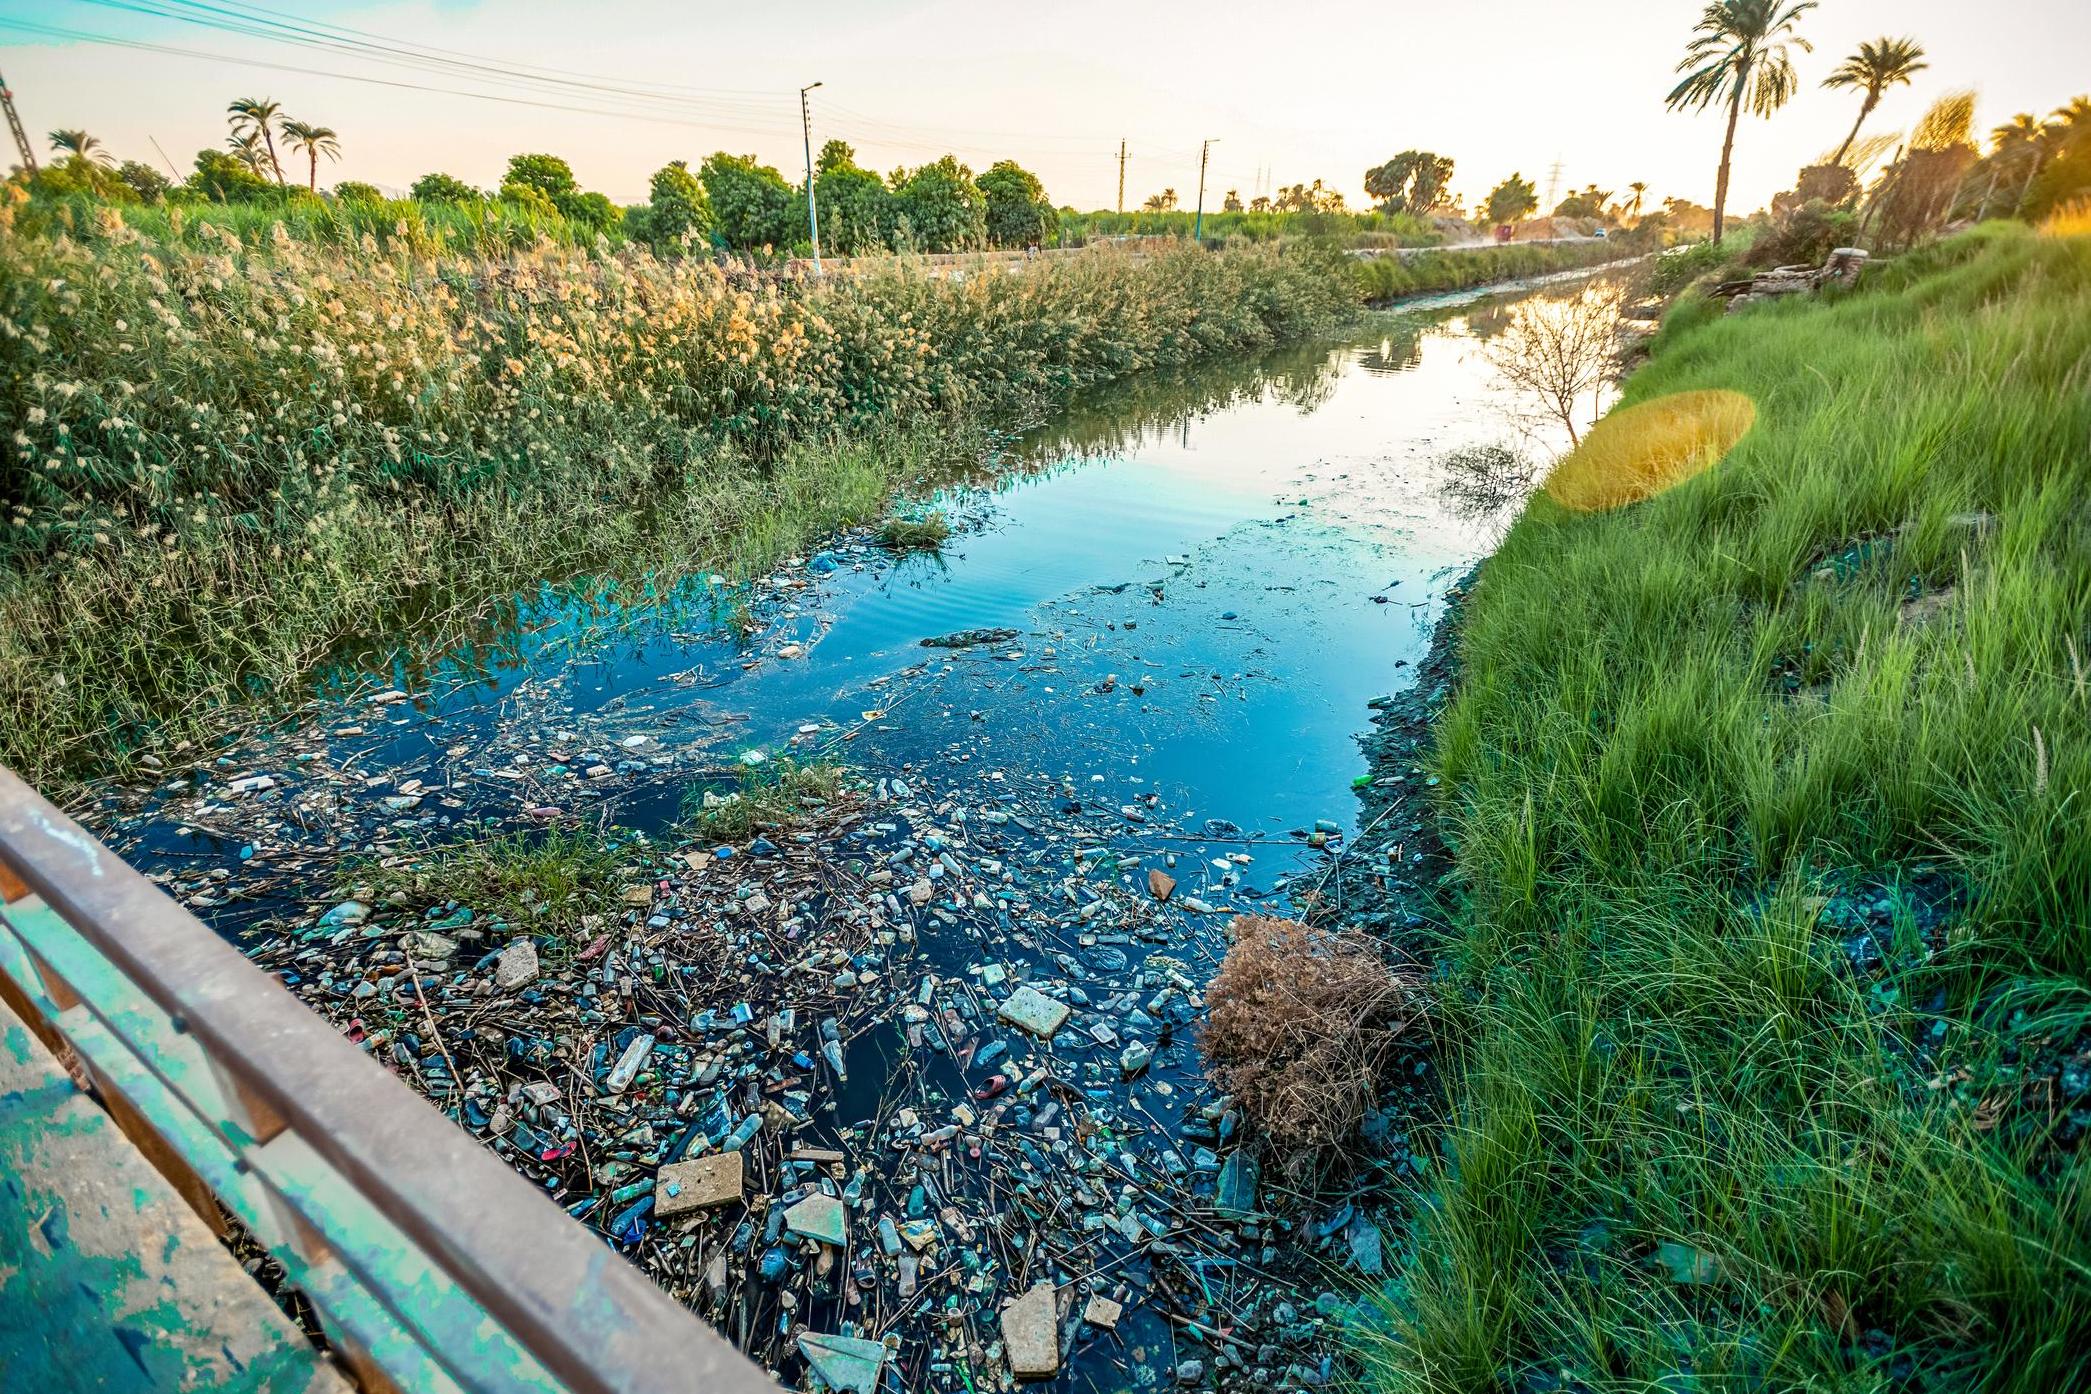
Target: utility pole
14	124
1198	226
812	213
1121	174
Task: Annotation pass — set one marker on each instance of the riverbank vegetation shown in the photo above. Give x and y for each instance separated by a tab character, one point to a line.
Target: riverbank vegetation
1767	992
228	461
1386	278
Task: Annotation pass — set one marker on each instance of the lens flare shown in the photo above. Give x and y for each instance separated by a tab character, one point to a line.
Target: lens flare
1639	451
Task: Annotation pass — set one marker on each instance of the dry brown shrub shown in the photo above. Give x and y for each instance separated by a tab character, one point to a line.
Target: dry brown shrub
1302	1026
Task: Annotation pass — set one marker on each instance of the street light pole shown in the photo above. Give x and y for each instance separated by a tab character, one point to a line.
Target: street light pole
812	213
1198	227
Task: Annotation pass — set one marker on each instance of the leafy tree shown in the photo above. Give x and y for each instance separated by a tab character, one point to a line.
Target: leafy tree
591	210
1511	201
856	207
255	117
78	145
143	180
1739	56
356	191
82	172
442	188
223	178
246	147
315	141
1877	65
548	174
1833	186
944	207
1916	193
529	198
1687	217
1232	203
1018	212
677	207
1302	198
751	202
1590	203
1161	202
1412	182
2065	173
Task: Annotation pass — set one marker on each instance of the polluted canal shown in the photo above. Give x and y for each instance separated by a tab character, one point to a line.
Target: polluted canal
906	1094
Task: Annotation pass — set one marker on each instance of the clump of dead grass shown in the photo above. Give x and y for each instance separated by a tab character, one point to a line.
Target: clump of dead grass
1302	1027
1639	451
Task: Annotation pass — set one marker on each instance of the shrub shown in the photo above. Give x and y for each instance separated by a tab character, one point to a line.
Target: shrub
773	795
1390	277
1680	266
1301	1027
442	188
926	533
679	209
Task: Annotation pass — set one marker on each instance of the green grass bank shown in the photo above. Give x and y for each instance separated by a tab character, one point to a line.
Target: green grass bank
1768	988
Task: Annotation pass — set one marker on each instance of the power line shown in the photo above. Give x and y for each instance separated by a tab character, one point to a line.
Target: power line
254	22
524	84
57	31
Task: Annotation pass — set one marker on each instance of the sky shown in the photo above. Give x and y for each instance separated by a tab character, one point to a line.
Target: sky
1315	89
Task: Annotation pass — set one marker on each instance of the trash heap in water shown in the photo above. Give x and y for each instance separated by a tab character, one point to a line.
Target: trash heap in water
908	1096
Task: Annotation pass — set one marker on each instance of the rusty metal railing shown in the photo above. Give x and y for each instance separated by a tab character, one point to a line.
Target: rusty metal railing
431	1265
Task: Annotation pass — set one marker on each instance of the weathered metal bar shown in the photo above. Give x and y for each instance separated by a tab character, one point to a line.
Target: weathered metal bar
593	1322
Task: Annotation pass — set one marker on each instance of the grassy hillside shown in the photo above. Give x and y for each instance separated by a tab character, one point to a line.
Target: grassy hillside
1770	997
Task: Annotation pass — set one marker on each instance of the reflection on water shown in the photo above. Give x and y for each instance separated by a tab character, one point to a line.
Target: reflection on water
1236	557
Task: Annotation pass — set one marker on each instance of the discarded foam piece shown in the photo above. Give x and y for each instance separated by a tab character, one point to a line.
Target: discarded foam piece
698	1185
517	966
1035	1012
1103	1313
1031	1333
819	1217
844	1364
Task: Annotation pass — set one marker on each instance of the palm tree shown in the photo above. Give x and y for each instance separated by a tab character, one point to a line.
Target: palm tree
315	141
79	145
246	147
2016	134
1640	190
253	116
1739	55
1878	65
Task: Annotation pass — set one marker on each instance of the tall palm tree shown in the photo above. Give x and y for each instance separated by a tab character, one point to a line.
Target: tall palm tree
257	116
246	147
79	145
2016	134
1640	190
1878	65
315	141
1739	55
